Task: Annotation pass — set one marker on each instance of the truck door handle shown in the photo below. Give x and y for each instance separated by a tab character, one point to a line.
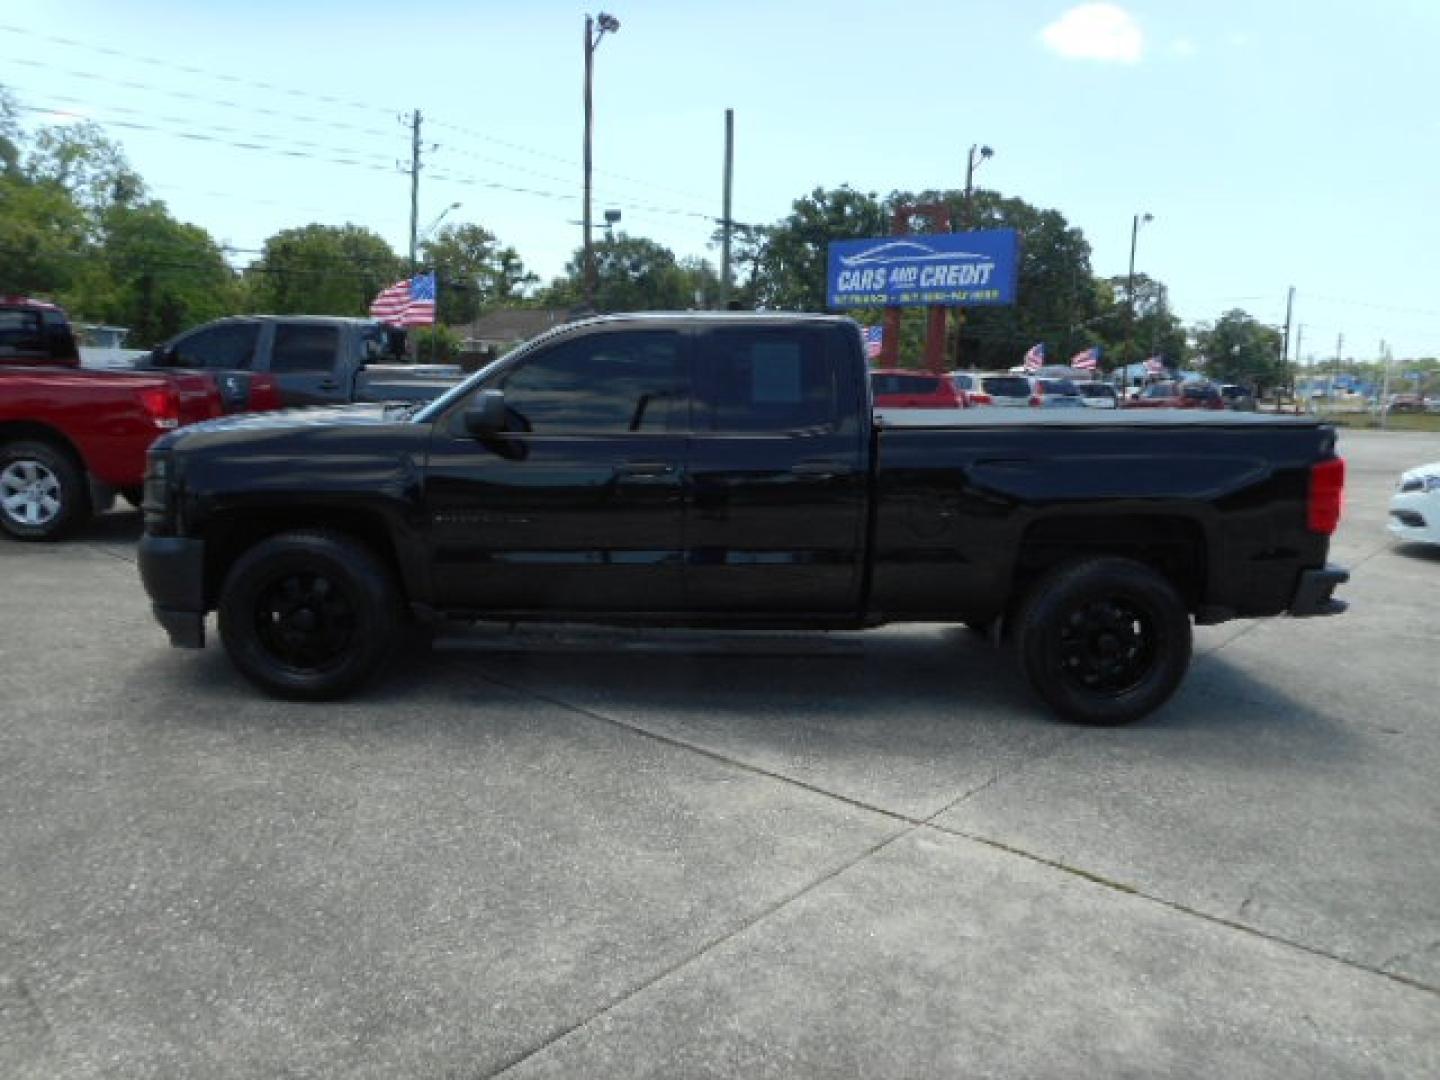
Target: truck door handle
329	384
644	468
822	469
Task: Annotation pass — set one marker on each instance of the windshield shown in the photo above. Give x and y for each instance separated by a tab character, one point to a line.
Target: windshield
1063	387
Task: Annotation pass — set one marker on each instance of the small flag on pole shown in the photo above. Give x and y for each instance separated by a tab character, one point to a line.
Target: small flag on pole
874	338
1086	359
1035	358
407	303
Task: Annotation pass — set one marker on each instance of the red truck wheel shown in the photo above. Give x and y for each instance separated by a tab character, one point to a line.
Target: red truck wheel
42	491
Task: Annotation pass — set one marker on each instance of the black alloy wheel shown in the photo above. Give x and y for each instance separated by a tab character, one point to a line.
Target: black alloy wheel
309	615
1104	640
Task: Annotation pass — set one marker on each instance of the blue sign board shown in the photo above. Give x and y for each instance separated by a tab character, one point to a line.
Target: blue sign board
970	268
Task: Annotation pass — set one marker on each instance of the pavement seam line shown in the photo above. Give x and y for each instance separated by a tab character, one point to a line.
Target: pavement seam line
912	826
745	924
1185	909
713	755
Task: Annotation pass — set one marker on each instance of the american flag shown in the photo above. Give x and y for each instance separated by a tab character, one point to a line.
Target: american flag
1154	365
874	337
1035	358
407	303
1086	359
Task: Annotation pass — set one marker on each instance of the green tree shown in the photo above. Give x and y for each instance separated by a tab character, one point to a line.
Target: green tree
322	270
790	264
1157	330
632	273
154	274
1238	349
474	272
43	237
80	159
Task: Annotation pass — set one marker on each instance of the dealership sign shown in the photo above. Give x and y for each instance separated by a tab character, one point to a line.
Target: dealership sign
969	268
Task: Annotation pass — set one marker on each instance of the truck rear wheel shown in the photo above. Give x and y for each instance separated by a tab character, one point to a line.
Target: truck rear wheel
42	491
309	615
1103	641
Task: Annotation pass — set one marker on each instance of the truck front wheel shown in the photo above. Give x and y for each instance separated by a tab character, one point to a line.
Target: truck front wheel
309	615
1103	641
42	491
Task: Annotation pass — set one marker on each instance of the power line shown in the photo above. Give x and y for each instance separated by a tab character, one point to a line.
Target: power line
124	111
183	95
155	61
299	117
197	136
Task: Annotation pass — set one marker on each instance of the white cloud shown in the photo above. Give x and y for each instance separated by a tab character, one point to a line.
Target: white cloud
1103	32
1183	46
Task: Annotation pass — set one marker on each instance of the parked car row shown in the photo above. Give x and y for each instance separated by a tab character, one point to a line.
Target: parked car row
901	388
72	437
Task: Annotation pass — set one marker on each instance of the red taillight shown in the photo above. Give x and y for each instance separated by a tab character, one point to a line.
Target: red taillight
264	395
1327	496
1035	401
163	405
981	399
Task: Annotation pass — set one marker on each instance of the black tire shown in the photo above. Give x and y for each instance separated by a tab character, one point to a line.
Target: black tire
309	615
133	495
43	491
1103	641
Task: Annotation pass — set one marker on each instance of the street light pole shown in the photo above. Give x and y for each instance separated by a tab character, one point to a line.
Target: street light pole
595	29
1139	219
978	154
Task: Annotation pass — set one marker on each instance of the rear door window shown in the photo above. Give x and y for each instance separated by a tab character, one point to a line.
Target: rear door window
301	347
766	380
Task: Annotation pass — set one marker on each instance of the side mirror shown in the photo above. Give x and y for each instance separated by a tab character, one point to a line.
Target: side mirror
159	356
486	414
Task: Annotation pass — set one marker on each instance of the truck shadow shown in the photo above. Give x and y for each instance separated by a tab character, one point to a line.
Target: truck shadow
926	703
1419	552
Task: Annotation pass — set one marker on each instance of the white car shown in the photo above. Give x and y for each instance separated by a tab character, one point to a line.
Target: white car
1415	506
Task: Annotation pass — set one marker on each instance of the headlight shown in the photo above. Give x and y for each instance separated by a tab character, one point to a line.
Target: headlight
158	503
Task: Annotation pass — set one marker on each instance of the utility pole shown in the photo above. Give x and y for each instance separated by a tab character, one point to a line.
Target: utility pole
414	182
1339	348
1135	224
608	24
975	157
1384	384
1299	339
588	267
726	224
1285	346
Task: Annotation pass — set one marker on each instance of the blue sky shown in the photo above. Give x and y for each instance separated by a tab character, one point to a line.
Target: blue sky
1276	143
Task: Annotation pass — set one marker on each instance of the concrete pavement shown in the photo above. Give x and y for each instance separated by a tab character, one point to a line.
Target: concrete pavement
589	853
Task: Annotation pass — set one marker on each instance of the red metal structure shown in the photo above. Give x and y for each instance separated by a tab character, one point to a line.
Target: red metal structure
938	215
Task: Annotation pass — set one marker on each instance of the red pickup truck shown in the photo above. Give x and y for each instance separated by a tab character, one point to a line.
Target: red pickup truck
71	437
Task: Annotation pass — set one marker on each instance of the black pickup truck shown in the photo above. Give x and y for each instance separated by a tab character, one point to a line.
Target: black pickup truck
727	471
314	359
